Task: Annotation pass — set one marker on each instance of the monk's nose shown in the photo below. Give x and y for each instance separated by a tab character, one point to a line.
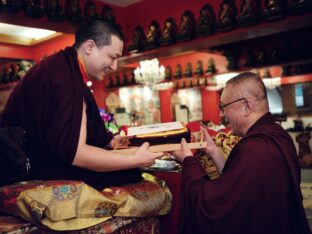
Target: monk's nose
114	65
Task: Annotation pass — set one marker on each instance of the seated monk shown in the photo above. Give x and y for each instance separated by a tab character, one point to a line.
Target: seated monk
66	136
258	189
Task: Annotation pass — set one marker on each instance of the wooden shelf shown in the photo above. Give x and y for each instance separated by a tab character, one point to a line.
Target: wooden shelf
218	39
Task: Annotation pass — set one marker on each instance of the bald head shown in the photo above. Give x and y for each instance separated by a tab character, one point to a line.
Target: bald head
250	86
243	102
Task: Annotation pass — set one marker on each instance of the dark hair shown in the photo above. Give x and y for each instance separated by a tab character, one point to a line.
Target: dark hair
99	30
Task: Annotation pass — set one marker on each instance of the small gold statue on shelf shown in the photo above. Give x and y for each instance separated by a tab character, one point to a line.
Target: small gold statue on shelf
199	68
34	9
178	72
248	14
211	67
274	9
188	73
187	27
138	39
168	73
275	56
55	12
89	10
250	60
262	58
11	6
227	16
206	21
107	14
298	7
152	36
73	12
169	32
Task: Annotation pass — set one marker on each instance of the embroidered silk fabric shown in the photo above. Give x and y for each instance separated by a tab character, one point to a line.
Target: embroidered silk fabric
73	205
116	225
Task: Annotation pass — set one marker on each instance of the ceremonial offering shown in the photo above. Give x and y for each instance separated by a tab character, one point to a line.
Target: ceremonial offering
155	134
163	137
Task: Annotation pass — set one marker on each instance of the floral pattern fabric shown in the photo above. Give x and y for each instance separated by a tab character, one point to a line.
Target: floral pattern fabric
115	225
73	205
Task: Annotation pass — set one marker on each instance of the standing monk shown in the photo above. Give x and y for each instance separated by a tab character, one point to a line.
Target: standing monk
258	190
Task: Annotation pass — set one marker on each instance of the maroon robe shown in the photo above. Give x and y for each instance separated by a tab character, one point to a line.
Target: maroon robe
47	103
258	191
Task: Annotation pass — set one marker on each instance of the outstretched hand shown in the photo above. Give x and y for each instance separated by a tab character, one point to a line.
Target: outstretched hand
213	151
184	152
146	157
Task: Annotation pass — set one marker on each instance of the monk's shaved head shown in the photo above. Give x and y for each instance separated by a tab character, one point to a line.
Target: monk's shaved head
98	30
249	85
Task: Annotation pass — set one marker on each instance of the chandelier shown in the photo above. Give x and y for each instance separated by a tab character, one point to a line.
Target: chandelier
149	73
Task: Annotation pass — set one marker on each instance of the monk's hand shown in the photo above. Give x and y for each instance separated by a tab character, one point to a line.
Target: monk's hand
184	151
211	147
119	142
213	151
145	157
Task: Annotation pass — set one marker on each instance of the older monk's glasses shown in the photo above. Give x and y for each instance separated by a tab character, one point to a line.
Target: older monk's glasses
222	106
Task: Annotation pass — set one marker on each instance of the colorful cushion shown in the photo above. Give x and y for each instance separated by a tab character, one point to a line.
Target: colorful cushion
73	205
147	225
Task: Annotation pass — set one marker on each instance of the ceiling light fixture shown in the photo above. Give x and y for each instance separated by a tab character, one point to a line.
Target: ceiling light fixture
22	35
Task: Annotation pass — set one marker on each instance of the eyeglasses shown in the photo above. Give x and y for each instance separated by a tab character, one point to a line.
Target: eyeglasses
227	104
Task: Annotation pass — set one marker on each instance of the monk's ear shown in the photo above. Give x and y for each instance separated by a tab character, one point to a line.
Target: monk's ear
88	46
248	107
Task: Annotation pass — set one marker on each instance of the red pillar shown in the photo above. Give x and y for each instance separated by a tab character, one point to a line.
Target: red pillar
165	105
210	103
